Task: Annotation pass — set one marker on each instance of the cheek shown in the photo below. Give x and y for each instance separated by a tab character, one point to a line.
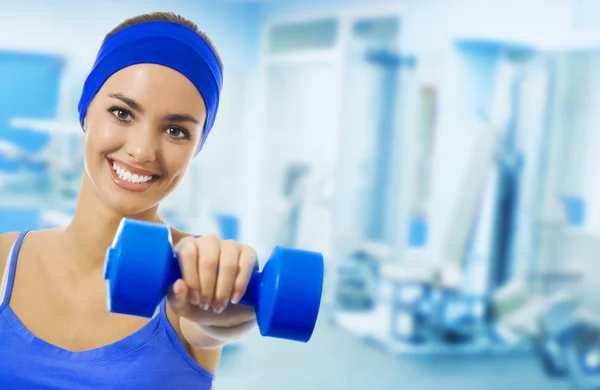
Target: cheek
175	161
178	165
103	137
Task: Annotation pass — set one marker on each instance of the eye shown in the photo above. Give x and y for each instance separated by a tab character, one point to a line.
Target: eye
121	114
178	133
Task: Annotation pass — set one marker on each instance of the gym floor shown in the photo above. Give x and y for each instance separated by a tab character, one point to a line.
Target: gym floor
337	360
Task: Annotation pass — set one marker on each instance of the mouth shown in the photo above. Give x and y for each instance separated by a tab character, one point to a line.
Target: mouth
130	179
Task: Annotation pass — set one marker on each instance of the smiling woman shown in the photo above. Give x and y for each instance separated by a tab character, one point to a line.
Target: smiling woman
146	108
130	120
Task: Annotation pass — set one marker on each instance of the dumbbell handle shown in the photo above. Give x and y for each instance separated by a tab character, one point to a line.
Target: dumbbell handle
250	297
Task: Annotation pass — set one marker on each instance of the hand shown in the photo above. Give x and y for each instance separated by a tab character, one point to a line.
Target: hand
215	273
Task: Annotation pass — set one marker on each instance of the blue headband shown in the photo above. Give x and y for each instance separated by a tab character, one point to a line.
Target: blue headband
163	43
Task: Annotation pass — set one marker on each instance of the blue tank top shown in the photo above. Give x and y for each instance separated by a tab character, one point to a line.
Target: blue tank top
151	358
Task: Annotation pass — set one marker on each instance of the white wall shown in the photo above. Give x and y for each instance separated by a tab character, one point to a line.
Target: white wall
580	140
429	25
429	30
289	8
315	123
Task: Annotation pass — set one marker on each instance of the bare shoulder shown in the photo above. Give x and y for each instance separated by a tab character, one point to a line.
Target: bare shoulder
6	242
41	239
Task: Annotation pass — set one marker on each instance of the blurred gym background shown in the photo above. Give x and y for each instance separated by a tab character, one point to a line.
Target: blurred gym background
440	153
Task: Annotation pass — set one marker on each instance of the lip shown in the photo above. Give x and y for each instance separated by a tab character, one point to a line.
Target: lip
133	169
128	186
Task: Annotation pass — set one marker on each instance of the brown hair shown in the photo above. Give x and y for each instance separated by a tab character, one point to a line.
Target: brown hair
164	17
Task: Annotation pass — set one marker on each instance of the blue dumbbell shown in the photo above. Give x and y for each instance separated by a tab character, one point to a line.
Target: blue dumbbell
141	265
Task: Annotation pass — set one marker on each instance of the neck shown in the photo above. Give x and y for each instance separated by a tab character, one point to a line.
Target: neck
93	227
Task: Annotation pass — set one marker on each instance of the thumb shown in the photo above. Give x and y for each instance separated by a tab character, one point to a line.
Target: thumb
177	299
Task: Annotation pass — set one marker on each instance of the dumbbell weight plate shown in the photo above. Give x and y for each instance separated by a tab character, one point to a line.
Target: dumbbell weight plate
290	297
137	267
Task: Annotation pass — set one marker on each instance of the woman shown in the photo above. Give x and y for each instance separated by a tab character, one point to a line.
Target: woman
146	110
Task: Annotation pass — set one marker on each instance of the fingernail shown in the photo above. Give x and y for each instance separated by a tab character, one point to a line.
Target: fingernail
236	298
204	305
217	308
176	289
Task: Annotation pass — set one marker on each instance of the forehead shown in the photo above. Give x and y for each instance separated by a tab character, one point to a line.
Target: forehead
155	85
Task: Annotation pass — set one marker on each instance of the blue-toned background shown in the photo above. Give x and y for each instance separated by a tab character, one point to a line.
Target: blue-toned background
442	154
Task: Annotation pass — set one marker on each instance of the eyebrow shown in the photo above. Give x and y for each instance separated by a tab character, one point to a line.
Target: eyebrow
167	118
181	118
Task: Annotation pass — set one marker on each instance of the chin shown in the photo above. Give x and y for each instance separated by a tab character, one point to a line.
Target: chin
127	205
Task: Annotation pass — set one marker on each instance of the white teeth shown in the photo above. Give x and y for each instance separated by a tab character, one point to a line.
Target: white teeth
128	176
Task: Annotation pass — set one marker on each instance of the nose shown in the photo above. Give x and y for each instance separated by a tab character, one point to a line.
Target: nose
141	144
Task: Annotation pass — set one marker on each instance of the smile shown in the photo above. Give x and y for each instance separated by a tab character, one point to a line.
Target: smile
129	178
124	174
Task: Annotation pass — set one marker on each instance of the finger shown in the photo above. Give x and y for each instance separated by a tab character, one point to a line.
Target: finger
247	264
180	305
177	297
228	268
209	250
187	253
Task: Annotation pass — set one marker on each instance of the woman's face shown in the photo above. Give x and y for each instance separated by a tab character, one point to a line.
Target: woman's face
142	130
